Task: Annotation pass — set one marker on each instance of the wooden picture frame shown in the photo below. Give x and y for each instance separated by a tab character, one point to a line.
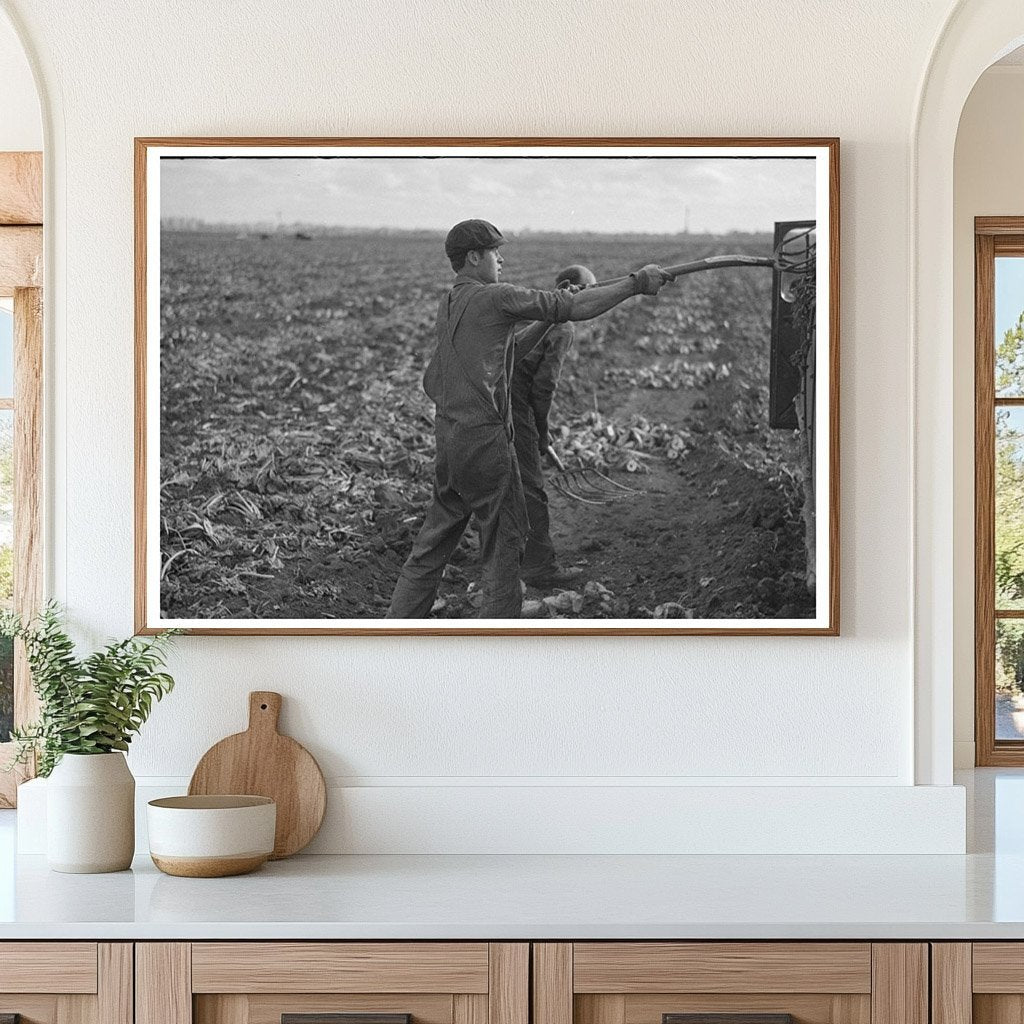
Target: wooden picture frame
198	213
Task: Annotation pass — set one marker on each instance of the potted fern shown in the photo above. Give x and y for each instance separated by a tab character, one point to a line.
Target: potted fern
89	710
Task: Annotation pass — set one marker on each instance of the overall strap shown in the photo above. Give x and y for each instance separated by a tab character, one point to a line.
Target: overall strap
540	339
449	315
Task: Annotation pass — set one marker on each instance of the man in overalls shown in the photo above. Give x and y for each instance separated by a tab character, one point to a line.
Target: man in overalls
540	351
475	472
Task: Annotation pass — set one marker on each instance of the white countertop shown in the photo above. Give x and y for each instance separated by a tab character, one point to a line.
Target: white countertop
976	896
516	897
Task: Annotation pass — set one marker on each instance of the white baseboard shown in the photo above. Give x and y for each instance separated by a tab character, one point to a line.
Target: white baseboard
459	819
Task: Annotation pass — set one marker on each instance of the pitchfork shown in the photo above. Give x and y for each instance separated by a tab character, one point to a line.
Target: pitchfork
588	484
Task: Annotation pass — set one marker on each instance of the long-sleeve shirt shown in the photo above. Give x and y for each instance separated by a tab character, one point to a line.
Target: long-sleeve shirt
468	379
540	351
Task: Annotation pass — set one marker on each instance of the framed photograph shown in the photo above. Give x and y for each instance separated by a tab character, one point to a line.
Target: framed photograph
503	386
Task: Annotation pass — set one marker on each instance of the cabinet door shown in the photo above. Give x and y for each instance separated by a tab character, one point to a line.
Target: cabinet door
730	983
66	982
980	982
332	983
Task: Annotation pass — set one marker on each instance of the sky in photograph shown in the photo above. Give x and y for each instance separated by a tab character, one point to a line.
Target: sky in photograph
540	194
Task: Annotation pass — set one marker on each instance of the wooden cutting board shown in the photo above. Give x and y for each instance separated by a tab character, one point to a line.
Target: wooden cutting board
262	762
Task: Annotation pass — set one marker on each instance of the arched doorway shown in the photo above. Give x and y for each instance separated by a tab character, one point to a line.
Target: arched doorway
976	34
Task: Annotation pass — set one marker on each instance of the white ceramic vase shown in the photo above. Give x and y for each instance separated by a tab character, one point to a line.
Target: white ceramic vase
90	814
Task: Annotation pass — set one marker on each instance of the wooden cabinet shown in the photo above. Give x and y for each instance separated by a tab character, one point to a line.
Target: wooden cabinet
66	982
494	983
262	982
978	983
760	982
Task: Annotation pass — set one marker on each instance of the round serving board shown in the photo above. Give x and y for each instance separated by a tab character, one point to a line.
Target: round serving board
262	762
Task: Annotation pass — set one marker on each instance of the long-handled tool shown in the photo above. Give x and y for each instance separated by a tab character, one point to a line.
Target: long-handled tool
708	263
588	484
795	256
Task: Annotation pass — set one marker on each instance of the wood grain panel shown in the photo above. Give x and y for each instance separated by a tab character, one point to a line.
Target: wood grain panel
833	389
469	1009
998	967
508	993
1010	245
163	983
899	991
229	1009
998	225
28	477
34	1009
806	1009
951	983
65	967
261	762
11	780
21	188
636	967
592	1009
21	259
267	1009
140	389
850	1009
76	1010
984	502
339	967
115	1002
998	1009
552	983
28	483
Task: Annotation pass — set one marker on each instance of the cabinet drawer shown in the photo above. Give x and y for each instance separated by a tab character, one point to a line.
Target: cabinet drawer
730	983
65	967
66	982
998	967
340	967
332	983
980	982
633	967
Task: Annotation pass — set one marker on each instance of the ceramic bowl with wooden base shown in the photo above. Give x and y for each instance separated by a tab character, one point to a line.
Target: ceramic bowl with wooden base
211	836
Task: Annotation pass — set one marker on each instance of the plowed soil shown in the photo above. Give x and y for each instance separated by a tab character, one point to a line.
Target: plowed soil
297	443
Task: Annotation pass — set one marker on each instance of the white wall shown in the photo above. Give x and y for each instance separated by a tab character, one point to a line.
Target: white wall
987	182
466	711
21	127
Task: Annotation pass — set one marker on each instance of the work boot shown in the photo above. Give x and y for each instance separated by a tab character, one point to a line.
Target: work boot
552	576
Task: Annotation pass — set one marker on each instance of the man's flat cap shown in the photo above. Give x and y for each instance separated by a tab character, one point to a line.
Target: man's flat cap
472	234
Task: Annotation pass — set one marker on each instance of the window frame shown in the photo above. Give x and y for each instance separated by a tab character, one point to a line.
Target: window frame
993	237
21	272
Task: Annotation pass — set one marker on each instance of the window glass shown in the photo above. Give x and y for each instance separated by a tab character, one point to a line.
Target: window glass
1009	512
1009	327
1009	679
6	568
6	353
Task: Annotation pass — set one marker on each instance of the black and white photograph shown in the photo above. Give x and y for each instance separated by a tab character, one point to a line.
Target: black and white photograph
450	386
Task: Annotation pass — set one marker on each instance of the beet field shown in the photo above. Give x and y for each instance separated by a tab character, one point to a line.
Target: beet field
297	444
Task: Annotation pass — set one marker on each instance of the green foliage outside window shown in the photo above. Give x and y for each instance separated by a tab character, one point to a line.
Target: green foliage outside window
1009	510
